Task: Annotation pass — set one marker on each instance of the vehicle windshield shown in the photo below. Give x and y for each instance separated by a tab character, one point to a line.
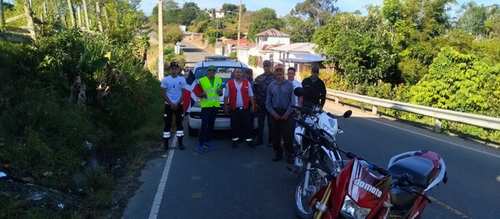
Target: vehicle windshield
225	73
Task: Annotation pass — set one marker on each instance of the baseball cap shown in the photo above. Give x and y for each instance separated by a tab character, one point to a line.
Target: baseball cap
211	68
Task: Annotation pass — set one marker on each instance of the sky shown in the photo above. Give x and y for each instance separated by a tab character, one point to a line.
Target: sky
283	7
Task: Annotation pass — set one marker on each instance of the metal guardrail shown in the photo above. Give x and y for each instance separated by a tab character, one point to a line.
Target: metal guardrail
466	118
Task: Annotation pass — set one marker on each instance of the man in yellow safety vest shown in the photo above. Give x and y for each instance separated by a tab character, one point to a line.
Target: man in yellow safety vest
209	89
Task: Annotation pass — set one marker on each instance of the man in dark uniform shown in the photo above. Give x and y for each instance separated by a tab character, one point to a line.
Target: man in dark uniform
260	87
314	89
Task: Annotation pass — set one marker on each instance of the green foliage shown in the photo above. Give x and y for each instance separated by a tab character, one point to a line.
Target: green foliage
392	10
300	30
253	61
43	125
170	56
319	11
459	82
359	48
473	18
264	19
233	55
172	34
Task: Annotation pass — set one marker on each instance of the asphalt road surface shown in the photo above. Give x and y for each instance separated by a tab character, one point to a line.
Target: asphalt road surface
244	183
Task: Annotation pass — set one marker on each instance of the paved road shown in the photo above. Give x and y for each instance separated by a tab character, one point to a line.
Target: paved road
244	183
192	53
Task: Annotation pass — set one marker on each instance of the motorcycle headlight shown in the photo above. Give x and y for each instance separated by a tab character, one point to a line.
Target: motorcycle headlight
351	209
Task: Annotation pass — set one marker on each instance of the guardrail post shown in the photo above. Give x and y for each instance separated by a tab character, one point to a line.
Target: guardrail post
437	125
337	100
374	110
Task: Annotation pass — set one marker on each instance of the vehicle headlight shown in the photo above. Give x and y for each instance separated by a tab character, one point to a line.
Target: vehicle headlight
351	209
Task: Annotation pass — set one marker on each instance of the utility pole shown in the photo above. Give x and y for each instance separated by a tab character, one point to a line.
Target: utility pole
239	32
160	40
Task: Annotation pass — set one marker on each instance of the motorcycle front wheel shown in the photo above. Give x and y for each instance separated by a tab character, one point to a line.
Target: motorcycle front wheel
304	195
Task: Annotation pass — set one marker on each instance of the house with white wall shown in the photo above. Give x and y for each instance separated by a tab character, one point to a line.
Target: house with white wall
275	46
272	37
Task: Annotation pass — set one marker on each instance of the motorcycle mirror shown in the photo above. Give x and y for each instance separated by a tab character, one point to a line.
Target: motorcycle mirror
299	92
3	174
347	114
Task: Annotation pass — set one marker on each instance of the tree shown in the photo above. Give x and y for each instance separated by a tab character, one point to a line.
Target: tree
359	48
173	34
473	19
189	12
391	10
263	19
461	82
317	10
300	30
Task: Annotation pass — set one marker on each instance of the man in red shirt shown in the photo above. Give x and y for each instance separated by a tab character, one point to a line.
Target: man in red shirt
239	103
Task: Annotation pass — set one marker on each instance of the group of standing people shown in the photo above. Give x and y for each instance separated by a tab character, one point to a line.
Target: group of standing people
271	96
275	99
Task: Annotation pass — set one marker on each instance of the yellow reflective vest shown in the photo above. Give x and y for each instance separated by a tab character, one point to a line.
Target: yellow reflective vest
212	99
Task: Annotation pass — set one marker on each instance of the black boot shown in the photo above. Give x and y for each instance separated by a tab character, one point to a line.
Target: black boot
165	143
181	145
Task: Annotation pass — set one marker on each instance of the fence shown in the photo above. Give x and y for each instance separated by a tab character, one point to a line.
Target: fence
437	114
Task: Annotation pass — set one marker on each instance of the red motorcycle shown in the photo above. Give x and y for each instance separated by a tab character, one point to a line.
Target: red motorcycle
364	190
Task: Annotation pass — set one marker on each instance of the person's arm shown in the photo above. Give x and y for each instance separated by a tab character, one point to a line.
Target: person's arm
269	103
226	101
252	100
322	97
289	109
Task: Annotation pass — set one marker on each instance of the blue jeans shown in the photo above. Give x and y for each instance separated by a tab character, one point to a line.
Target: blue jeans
207	123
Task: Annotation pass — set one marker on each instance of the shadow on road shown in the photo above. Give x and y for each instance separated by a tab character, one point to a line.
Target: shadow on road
192	49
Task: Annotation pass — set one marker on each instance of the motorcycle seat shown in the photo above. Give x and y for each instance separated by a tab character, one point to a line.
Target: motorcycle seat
418	170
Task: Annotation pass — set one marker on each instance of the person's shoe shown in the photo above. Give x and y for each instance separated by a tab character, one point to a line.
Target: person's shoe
208	147
277	158
250	144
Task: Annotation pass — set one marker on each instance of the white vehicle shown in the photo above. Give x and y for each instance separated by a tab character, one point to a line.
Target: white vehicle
224	69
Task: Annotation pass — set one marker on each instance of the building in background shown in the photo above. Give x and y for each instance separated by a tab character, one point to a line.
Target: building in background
275	46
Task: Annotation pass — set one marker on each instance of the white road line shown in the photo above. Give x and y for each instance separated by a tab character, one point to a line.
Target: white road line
155	208
437	139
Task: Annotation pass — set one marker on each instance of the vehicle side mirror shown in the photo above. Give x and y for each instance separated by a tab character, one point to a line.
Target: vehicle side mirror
3	175
299	92
347	114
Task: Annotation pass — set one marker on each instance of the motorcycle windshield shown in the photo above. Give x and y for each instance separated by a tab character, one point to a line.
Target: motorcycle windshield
367	187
